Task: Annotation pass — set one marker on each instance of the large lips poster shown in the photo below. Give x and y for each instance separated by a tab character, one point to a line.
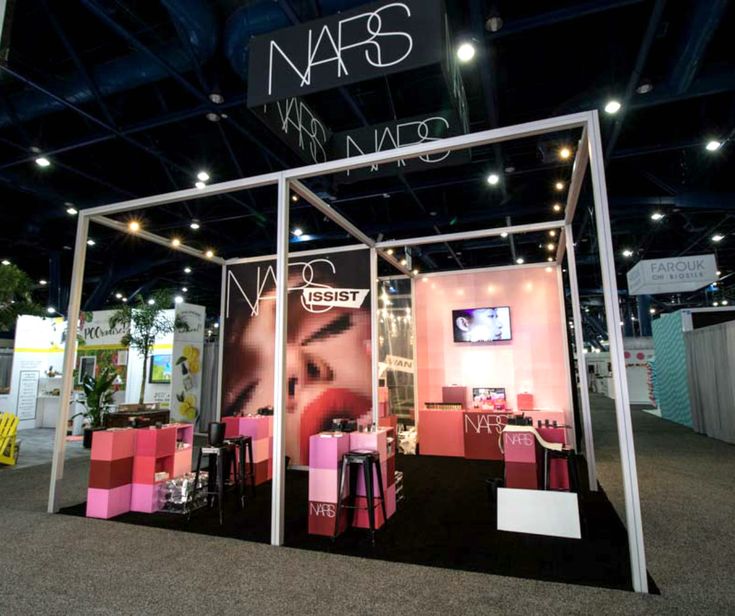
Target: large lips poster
328	354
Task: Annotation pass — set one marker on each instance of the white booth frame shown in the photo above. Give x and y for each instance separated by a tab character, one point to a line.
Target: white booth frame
588	154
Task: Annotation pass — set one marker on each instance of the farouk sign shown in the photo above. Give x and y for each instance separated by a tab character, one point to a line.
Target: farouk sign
374	40
677	275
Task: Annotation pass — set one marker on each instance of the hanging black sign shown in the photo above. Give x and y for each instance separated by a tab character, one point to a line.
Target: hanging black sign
399	134
370	41
299	127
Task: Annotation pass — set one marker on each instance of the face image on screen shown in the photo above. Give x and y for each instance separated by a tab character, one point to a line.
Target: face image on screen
481	324
160	369
491	395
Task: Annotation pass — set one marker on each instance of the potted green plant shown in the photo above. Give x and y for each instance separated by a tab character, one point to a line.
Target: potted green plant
16	296
98	393
145	321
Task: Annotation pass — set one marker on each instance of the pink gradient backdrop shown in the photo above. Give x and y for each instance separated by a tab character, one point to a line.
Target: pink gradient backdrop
533	361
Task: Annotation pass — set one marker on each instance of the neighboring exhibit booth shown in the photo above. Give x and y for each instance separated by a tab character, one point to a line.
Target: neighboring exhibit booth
300	333
639	361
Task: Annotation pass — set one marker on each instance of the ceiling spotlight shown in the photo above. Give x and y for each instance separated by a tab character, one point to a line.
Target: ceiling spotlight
627	253
118	295
42	282
209	254
557	207
151	301
719	273
5	262
50	309
294	198
415	272
216	326
493	179
559	186
504	234
124	300
656	216
718	237
216	98
203	176
715	304
713	145
91	242
178	299
134	226
71	210
724	302
520	260
465	52
652	311
187	270
176	242
213	117
194	225
565	153
552	233
184	289
550	246
389	251
42	161
494	23
549	259
404	262
645	87
612	107
297	232
200	185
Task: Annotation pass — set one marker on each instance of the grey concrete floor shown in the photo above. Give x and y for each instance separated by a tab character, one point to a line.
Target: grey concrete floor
37	448
54	564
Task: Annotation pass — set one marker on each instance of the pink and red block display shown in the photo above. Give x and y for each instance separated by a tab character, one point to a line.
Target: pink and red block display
260	429
325	459
124	464
524	460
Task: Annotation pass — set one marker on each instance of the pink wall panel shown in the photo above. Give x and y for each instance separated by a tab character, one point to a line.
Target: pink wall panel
533	361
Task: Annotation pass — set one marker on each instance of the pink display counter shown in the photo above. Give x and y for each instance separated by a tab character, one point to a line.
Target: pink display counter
470	434
325	457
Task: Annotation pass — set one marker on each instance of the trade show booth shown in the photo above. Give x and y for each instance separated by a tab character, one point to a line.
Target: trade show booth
499	483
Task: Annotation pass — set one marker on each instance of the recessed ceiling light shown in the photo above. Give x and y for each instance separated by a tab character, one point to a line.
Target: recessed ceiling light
657	216
549	259
557	207
203	176
718	237
176	242
194	225
565	153
627	253
187	270
216	326
42	161
504	234
294	198
297	232
652	311
184	289
91	242
124	300
550	246
151	301
552	233
715	304
72	211
645	87
520	261
719	273
119	295
493	179
42	282
178	299
559	186
724	302
200	185
415	272
404	262
612	107
465	52
389	251
134	226
713	145
216	98
50	309
209	254
5	262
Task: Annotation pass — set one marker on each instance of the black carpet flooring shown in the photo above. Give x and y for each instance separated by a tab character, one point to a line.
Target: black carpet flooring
445	521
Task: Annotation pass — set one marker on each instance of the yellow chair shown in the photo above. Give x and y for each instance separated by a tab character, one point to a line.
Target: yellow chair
9	444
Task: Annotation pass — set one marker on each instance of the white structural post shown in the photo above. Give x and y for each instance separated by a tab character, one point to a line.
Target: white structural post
279	373
374	331
622	401
584	392
221	344
70	348
569	419
413	351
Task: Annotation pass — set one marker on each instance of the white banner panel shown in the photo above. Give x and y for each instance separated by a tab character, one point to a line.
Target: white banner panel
677	275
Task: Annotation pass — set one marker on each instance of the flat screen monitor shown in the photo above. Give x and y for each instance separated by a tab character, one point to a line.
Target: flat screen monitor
160	371
488	395
482	324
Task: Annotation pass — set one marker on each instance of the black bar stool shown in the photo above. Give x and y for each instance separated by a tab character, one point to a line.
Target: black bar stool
369	461
244	447
218	462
